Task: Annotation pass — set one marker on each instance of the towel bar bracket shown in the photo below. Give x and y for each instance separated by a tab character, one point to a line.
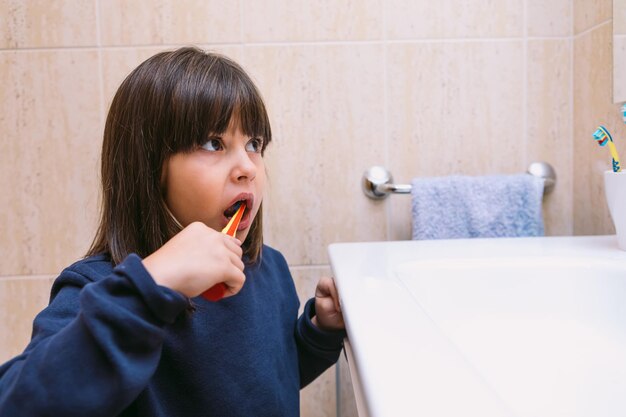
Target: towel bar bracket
377	182
544	170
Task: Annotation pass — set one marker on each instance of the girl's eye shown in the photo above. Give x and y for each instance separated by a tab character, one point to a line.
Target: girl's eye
213	145
254	145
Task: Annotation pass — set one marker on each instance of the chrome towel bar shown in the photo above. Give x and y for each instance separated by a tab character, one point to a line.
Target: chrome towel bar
377	182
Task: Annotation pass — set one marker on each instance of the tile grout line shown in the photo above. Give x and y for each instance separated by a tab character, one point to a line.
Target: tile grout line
591	29
242	43
386	104
241	39
526	79
27	276
572	43
100	65
296	43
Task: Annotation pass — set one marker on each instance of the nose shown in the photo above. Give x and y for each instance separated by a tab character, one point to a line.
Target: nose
244	168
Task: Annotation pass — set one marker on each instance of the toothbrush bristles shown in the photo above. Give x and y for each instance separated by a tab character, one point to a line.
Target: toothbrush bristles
601	137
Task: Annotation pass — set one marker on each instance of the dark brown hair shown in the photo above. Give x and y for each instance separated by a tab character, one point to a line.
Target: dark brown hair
168	104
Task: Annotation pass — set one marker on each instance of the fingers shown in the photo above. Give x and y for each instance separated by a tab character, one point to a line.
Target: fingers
234	245
234	282
198	258
232	241
326	288
234	276
322	288
327	314
327	308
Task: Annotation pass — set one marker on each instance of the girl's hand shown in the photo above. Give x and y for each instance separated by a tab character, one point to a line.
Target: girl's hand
196	259
327	309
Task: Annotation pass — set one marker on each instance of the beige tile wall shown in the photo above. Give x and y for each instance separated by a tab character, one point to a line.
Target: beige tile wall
590	13
549	18
593	105
158	22
306	21
41	23
408	19
619	50
21	298
619	68
50	123
549	124
425	88
619	17
328	123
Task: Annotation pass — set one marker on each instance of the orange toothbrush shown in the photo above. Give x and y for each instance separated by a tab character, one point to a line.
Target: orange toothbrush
216	292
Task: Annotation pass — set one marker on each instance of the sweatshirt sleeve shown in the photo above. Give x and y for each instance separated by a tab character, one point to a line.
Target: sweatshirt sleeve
317	349
94	348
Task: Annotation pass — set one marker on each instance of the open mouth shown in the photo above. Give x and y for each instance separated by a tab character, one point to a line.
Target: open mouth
230	211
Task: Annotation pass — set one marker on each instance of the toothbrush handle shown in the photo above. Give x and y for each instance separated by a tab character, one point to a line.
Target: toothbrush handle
616	162
215	293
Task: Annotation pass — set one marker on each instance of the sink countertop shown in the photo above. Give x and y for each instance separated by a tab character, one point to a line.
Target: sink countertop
404	363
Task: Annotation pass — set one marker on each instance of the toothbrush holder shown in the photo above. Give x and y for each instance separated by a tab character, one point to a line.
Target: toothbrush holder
615	191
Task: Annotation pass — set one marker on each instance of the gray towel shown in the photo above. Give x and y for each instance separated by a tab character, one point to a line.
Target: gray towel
490	206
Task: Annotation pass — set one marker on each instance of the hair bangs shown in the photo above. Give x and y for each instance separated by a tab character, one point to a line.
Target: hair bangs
206	102
251	114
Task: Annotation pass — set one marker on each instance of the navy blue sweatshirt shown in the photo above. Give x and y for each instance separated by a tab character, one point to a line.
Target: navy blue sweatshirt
113	342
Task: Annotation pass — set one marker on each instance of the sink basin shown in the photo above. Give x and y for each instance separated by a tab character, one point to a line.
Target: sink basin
486	327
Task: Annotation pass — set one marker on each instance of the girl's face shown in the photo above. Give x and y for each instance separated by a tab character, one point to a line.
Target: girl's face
203	185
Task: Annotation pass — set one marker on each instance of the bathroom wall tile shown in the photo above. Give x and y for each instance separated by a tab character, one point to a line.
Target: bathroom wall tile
619	68
407	19
619	17
157	22
325	20
319	399
41	23
21	298
549	18
454	108
593	105
48	158
346	401
325	105
118	63
550	136
589	13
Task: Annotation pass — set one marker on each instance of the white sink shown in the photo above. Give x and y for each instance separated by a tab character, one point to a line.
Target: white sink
522	327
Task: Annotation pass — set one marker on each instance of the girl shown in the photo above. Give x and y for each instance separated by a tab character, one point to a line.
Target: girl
125	332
